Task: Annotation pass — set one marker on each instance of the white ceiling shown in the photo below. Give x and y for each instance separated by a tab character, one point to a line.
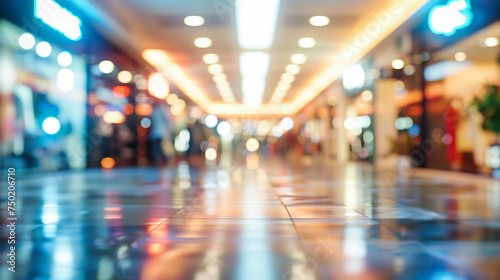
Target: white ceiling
158	24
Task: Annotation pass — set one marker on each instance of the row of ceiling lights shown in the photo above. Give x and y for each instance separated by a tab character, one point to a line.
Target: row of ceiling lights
293	69
288	78
212	60
219	77
256	84
318	21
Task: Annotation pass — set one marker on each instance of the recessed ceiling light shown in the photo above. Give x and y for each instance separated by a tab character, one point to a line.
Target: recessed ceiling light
319	21
283	83
293	69
280	93
288	78
223	87
219	78
398	64
202	42
224	82
307	42
283	87
210	58
460	56
491	42
298	58
215	69
194	21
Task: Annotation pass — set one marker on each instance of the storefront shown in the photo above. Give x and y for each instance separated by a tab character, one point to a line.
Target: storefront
431	71
43	101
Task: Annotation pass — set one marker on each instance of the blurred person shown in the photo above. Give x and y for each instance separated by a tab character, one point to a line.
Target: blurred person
161	131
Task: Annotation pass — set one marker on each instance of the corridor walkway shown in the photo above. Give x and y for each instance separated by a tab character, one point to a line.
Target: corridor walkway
274	222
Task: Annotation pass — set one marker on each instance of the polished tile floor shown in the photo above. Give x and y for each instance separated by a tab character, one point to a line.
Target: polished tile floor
274	222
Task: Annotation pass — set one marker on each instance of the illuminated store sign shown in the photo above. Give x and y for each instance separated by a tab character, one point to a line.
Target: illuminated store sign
447	19
58	18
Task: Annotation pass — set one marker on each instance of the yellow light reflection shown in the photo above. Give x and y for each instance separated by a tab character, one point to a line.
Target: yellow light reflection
252	161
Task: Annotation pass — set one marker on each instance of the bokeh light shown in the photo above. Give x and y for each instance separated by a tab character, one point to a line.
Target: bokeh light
113	117
107	163
146	123
223	128
65	79
210	58
43	49
287	123
124	77
194	21
252	145
202	42
210	154
106	66
51	125
158	86
307	42
26	41
211	121
64	59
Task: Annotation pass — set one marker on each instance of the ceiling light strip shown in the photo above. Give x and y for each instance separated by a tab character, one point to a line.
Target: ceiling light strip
256	23
254	67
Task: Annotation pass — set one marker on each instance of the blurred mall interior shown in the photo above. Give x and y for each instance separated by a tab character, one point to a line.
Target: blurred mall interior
250	139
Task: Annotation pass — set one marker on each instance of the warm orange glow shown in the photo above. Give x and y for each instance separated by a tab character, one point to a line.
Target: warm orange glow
160	60
411	97
158	86
157	231
107	163
113	117
399	11
143	109
240	110
112	213
121	91
156	248
128	109
99	110
252	161
157	58
322	112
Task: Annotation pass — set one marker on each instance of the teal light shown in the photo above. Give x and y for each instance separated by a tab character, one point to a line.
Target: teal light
447	19
57	17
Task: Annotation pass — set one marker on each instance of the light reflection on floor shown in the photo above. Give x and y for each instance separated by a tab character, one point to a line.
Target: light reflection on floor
269	220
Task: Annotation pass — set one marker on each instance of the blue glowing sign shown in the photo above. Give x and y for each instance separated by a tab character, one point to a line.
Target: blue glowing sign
58	18
447	19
